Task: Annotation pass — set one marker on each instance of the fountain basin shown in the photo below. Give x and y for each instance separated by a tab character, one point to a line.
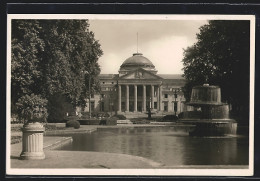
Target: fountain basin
211	127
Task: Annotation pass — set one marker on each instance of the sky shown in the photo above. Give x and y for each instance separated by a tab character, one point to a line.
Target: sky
161	41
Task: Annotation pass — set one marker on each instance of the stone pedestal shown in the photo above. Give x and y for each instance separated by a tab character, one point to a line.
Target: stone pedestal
32	141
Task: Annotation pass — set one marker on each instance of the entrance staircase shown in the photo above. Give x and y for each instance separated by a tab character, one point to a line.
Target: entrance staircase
130	115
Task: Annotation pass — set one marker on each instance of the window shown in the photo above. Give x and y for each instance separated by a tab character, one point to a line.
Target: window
103	82
155	105
92	106
165	106
102	95
112	82
92	95
165	95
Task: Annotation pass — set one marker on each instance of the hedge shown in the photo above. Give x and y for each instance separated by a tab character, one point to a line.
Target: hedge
89	121
170	118
73	123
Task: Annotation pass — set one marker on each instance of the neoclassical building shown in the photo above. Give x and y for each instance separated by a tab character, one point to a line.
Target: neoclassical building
137	87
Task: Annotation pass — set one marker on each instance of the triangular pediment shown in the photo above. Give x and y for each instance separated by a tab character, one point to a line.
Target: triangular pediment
140	74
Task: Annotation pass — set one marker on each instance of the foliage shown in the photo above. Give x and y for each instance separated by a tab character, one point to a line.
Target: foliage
58	107
73	123
221	57
140	121
49	127
111	121
16	139
120	117
51	57
89	121
25	58
170	118
32	108
70	52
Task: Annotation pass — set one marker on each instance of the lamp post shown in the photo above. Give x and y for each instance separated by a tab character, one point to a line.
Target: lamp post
175	90
89	90
181	104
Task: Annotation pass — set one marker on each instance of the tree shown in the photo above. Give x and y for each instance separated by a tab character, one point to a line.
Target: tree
49	58
25	59
221	56
70	51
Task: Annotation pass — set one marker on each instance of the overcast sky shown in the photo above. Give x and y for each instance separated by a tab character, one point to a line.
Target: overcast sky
161	41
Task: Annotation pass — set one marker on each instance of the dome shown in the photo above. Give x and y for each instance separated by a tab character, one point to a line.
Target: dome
135	62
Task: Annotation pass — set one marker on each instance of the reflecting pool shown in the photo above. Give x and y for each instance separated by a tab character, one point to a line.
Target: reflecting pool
170	146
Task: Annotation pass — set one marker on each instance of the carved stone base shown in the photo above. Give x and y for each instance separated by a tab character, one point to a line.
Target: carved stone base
32	141
32	155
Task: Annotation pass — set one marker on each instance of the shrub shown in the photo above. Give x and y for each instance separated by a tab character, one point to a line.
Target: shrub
170	118
112	121
50	127
140	121
73	123
103	122
89	121
120	117
32	108
106	115
84	115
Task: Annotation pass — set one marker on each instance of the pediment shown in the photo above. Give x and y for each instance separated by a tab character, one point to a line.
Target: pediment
140	74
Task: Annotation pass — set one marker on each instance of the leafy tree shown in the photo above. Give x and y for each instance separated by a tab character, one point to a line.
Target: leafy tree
58	107
49	57
221	57
25	59
70	51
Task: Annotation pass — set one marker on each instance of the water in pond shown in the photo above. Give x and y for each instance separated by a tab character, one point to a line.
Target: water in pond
171	146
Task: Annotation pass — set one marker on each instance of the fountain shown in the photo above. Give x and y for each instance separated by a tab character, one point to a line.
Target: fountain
210	116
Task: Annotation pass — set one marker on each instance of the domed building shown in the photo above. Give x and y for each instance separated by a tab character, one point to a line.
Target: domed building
137	87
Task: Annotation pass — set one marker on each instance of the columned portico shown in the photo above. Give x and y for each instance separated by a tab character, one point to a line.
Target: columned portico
138	97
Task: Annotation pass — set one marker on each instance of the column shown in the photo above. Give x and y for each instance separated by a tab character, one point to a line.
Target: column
160	95
158	98
127	98
152	96
144	97
135	98
119	98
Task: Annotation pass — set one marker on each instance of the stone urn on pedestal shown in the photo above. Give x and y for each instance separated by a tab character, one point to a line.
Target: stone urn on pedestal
32	141
33	129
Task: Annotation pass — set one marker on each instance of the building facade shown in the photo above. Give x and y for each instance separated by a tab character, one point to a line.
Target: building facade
137	87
